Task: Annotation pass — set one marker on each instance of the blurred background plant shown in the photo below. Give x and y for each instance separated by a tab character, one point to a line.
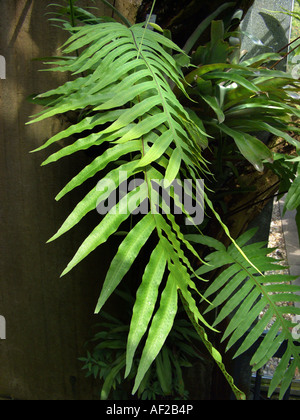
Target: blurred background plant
106	359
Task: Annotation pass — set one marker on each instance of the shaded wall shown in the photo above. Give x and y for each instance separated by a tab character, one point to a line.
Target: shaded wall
47	318
271	28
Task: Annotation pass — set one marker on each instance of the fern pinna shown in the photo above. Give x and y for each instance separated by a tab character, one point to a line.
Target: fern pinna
251	301
122	89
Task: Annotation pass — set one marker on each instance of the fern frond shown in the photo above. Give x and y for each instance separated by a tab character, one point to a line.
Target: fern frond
250	302
145	302
127	105
161	326
126	255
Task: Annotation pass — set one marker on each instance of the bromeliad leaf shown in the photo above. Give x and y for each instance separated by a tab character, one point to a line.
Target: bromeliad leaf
254	150
292	201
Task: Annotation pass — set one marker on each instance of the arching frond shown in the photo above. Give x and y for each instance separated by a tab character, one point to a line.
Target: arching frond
251	302
127	104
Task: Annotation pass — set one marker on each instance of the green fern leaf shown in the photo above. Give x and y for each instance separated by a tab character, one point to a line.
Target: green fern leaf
126	255
160	328
242	295
94	198
145	302
108	226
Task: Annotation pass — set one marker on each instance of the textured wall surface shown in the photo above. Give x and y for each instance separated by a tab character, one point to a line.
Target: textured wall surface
272	28
128	8
47	318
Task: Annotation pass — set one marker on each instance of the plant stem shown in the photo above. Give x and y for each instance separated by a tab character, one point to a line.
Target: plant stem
126	21
285	55
146	27
290	43
113	12
72	13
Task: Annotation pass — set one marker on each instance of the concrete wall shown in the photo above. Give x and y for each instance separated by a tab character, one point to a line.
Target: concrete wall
267	24
128	8
47	318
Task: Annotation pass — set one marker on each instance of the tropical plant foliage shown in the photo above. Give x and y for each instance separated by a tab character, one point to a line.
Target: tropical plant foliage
245	98
159	115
